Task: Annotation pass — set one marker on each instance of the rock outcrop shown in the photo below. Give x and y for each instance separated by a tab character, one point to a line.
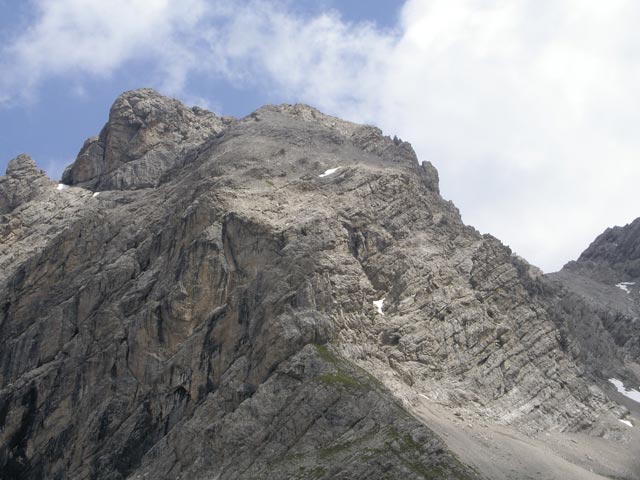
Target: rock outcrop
24	181
607	277
614	255
147	136
200	304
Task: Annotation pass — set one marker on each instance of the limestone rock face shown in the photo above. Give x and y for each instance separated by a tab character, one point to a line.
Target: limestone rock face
210	313
146	136
616	250
23	182
607	277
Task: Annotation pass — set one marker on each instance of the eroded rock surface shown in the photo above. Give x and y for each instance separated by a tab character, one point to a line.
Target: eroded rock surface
23	182
209	314
147	136
607	277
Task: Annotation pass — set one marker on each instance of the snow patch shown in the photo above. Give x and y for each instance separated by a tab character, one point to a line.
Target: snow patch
625	286
329	172
62	186
378	304
627	392
626	422
95	194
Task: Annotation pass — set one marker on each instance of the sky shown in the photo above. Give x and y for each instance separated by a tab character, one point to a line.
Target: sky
529	109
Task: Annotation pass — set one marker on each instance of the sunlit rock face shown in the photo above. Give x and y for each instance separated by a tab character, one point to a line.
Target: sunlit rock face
147	136
265	297
23	182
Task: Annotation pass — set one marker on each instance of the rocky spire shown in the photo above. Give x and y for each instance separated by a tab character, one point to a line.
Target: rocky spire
146	135
22	165
23	182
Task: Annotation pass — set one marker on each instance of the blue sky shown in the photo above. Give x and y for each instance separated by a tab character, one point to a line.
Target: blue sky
67	109
528	108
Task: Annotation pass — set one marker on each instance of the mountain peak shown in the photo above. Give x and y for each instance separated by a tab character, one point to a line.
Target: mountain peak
22	165
616	249
144	138
23	182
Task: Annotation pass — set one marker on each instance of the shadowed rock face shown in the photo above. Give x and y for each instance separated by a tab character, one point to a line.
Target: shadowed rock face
209	314
607	277
614	256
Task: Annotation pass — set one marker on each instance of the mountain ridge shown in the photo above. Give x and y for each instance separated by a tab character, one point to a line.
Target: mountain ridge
165	326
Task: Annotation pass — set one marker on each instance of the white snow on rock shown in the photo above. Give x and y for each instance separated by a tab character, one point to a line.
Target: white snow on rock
626	422
629	393
95	194
378	304
625	286
62	186
329	172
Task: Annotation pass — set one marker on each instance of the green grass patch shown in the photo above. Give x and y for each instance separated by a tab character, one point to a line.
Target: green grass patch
326	354
339	379
335	449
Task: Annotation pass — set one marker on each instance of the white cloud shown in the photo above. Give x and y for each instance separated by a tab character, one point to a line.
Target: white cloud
527	107
76	37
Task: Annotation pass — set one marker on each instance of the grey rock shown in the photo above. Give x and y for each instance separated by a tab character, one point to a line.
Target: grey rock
23	182
615	254
147	135
606	276
210	313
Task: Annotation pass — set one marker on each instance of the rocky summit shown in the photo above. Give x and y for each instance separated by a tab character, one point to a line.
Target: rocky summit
287	296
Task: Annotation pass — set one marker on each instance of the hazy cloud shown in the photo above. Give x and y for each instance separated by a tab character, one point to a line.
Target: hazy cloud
529	108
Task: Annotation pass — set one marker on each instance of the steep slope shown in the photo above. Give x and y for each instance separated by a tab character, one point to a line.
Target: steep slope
607	277
200	304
